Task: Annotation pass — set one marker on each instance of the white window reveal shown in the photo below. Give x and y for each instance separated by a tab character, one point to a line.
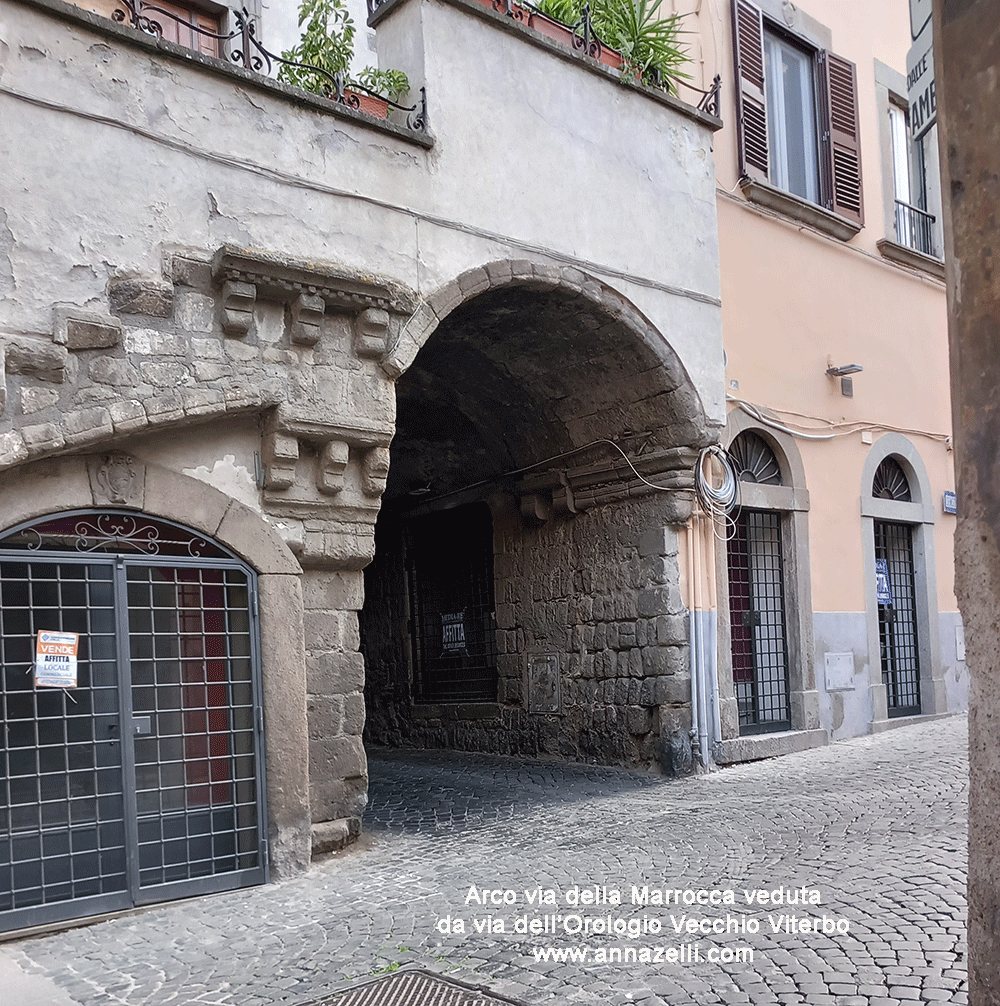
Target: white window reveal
791	109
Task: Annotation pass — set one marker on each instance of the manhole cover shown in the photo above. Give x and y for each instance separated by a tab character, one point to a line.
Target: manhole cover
414	988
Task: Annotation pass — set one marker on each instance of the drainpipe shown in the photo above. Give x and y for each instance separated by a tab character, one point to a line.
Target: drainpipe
693	631
699	691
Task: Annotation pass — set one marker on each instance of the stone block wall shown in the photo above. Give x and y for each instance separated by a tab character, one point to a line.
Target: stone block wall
338	770
600	592
597	598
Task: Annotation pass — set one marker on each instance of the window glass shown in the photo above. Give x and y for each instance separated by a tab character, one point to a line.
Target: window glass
914	225
791	111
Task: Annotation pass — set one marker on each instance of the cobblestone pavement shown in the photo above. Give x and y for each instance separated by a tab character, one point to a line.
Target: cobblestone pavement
877	825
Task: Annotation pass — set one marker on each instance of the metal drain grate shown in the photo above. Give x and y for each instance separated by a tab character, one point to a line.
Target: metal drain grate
414	988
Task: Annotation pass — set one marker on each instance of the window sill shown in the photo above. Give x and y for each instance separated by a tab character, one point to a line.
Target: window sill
896	252
799	209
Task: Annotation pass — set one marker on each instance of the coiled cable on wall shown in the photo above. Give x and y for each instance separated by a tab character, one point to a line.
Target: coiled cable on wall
717	501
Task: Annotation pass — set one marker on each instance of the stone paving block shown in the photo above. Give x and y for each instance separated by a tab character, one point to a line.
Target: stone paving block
438	822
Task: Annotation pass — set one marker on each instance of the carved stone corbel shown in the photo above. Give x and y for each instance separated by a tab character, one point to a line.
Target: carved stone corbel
307	319
281	452
238	300
330	466
374	471
371	329
535	509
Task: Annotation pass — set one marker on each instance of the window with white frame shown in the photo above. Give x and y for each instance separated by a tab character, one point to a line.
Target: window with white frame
913	223
797	115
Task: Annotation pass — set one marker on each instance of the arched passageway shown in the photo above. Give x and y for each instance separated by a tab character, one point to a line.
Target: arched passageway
524	596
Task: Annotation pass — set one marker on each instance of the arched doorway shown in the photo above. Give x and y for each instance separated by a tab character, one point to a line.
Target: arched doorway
899	651
897	519
524	596
134	771
757	618
767	679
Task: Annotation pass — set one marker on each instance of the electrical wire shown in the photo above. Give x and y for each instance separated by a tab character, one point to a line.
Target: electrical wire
838	429
718	502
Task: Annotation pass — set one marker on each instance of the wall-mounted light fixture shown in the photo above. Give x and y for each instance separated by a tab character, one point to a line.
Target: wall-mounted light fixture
846	384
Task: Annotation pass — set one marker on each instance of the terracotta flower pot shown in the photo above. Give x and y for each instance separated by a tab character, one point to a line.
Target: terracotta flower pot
550	28
555	30
378	108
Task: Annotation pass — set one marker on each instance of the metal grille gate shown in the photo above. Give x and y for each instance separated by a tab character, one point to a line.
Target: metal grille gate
757	622
449	566
897	618
142	783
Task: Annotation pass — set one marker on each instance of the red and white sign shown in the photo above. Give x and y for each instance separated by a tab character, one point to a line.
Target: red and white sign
55	659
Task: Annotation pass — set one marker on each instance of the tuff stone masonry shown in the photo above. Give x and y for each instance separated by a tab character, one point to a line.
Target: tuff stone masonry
285	322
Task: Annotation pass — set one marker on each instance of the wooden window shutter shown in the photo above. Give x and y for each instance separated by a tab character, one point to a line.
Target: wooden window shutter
205	44
840	83
751	103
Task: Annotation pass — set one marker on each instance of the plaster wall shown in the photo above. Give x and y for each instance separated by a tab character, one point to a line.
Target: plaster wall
277	179
834	25
810	304
844	712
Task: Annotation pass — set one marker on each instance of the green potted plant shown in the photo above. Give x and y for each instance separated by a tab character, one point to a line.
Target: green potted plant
646	45
327	45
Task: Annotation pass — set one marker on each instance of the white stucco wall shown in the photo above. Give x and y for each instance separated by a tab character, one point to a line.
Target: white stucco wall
133	155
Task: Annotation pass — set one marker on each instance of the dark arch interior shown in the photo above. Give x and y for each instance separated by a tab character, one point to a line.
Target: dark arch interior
514	378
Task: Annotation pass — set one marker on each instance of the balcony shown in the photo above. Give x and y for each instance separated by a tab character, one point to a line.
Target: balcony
915	228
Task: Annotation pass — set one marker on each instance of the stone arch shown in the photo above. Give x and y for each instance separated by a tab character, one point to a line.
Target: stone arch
919	514
901	449
602	299
68	483
790	501
514	385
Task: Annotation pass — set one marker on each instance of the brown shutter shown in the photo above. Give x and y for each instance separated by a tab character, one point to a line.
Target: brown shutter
843	147
751	105
205	43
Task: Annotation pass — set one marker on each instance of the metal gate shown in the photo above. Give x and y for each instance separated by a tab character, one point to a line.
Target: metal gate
897	617
143	782
757	622
449	566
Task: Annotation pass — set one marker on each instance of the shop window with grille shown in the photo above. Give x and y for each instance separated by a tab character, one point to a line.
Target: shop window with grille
897	617
143	781
449	567
757	622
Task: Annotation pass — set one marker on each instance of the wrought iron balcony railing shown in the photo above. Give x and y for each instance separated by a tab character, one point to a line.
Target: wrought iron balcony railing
915	228
241	46
584	39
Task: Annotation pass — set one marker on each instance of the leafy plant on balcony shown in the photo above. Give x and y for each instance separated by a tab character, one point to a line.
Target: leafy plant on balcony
650	42
327	43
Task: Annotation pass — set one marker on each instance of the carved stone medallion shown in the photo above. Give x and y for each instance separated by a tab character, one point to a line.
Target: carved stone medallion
117	479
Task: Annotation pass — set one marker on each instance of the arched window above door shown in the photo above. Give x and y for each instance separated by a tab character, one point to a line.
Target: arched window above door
112	531
753	460
890	481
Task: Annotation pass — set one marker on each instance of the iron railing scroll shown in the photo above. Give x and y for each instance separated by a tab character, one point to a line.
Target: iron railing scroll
240	45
